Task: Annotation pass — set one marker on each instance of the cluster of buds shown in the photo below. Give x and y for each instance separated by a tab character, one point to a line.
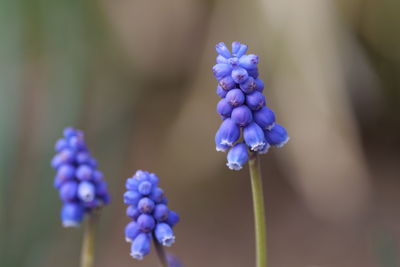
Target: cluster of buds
243	107
81	186
151	217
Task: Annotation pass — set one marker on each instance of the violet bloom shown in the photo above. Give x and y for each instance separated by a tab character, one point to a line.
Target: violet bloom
81	186
151	217
243	107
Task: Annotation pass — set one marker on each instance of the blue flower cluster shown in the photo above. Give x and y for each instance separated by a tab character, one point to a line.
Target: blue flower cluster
243	107
149	211
81	186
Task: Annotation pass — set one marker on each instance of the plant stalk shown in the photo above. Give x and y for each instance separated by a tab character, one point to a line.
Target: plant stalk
259	210
87	253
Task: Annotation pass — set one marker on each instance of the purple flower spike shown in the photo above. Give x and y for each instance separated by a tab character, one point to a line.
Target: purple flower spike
150	216
81	186
241	89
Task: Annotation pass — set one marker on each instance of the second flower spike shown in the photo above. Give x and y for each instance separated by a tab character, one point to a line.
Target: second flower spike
151	217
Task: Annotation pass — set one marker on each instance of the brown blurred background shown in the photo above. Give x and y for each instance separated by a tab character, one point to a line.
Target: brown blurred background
135	75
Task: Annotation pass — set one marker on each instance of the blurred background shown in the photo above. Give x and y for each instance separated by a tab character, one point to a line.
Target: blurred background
135	75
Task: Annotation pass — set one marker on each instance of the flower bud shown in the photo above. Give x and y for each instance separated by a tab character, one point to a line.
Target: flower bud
84	172
66	172
61	144
86	191
237	156
235	47
132	212
235	98
157	194
223	50
221	59
161	212
144	188
253	73
248	62
146	205
146	223
153	178
83	158
259	85
242	50
131	184
71	215
131	231
255	100
132	197
242	115
253	136
228	132
239	75
221	92
173	218
164	234
140	246
277	136
227	82
248	86
221	70
224	108
68	191
265	118
218	146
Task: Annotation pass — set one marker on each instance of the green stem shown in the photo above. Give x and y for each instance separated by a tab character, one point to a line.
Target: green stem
87	253
259	210
160	253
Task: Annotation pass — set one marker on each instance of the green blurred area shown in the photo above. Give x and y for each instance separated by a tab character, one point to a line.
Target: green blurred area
135	76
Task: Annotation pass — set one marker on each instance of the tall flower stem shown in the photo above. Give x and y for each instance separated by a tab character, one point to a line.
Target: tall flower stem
259	210
87	253
160	253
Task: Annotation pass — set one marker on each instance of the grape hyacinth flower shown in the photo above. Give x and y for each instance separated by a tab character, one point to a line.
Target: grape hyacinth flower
248	127
81	187
151	217
243	107
80	184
